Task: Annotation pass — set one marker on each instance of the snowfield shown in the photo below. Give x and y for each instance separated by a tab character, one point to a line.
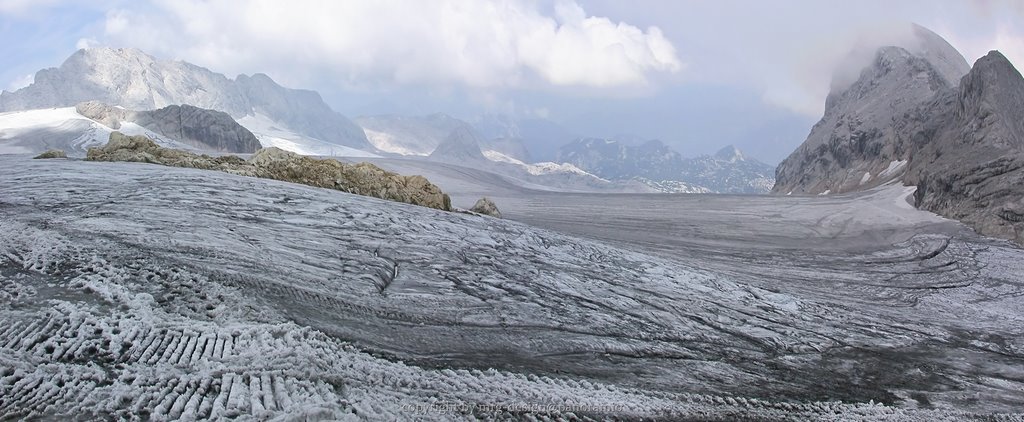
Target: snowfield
32	131
135	290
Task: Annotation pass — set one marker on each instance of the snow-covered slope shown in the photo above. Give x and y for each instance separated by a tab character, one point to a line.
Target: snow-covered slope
536	168
409	135
34	131
135	80
271	135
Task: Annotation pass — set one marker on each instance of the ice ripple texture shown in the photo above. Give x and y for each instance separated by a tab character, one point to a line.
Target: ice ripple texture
136	290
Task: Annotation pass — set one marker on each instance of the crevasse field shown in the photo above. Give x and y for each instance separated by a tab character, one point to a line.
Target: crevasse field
148	291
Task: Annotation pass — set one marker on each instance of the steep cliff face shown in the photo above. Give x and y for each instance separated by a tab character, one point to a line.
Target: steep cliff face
968	161
201	128
860	142
961	144
205	130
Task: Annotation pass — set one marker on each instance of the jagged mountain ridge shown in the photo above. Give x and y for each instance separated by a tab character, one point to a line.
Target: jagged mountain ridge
968	155
961	142
135	80
657	165
857	143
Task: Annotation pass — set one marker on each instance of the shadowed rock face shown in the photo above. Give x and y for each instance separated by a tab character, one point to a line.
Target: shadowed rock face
860	141
962	146
203	129
969	159
273	163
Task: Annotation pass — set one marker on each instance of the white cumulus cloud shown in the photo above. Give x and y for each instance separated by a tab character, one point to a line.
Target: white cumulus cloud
479	44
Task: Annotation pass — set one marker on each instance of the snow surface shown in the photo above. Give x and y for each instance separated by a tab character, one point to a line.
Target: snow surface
866	178
33	131
185	294
386	142
537	169
894	167
272	134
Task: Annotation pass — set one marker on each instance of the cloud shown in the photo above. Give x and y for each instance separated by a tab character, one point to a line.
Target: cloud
480	44
23	7
21	82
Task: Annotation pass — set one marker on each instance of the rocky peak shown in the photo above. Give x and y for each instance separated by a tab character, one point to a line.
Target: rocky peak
993	92
461	144
857	144
730	154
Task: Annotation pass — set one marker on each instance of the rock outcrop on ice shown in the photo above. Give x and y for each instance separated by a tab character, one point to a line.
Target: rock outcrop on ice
664	169
206	130
135	80
860	142
960	141
273	163
51	153
486	206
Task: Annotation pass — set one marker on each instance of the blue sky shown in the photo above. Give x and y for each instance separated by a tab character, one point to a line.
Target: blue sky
696	74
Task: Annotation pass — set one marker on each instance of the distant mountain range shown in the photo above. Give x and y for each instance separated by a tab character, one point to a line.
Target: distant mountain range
130	78
664	169
179	104
653	164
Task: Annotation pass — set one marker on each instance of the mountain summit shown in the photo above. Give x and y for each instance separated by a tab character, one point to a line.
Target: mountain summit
960	142
132	79
856	143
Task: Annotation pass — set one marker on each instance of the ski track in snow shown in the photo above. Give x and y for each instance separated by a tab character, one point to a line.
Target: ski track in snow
140	290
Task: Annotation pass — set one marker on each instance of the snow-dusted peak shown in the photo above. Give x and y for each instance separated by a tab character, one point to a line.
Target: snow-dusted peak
132	79
730	154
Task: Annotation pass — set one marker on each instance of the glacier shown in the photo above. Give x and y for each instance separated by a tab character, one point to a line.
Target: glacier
136	290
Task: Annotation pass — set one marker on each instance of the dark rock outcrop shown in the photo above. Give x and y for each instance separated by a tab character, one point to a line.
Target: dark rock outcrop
273	163
206	130
968	161
53	153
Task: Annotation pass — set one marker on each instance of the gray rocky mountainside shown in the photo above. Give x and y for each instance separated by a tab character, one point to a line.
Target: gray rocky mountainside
857	143
135	80
961	142
461	146
968	153
206	130
654	163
